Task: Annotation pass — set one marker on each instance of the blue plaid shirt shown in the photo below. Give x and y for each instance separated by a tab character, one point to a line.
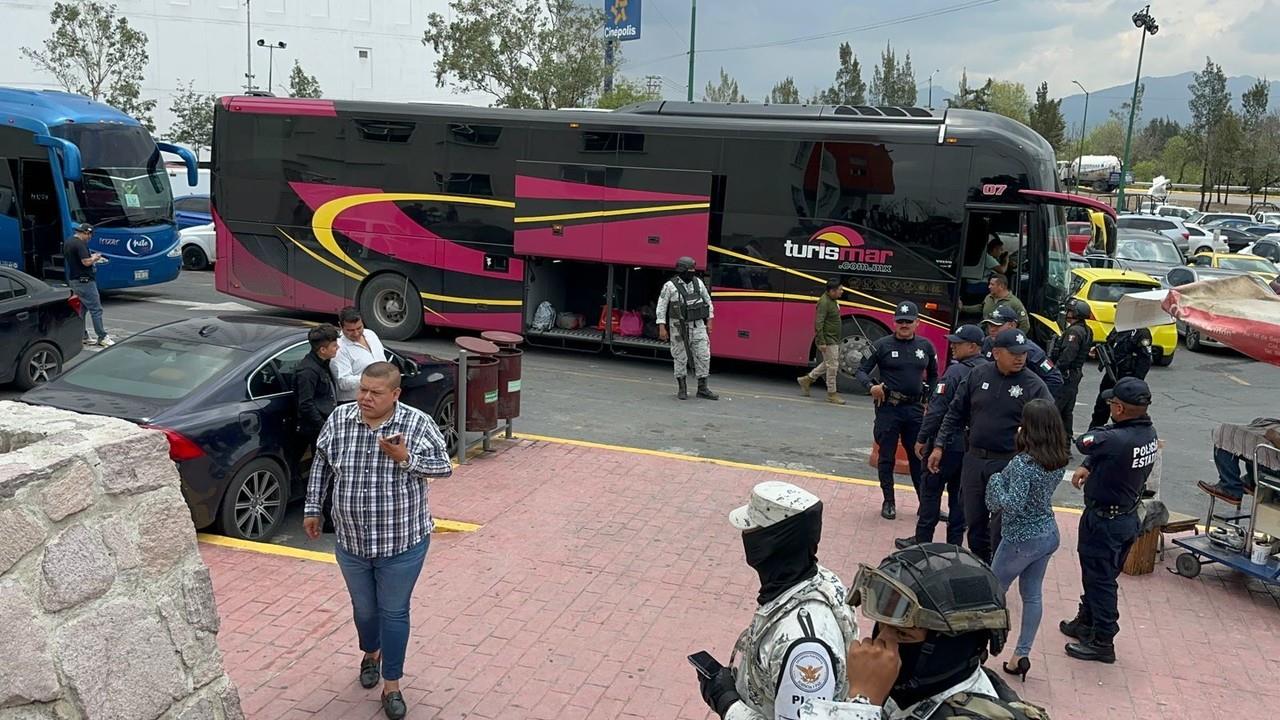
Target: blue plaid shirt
379	510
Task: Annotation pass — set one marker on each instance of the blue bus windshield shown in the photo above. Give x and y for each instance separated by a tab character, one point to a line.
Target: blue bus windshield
124	180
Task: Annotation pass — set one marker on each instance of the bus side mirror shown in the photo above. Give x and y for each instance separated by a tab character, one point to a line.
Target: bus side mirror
68	155
188	158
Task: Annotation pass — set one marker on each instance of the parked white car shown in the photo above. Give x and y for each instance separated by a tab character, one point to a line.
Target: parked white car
1202	240
1267	218
1179	211
199	248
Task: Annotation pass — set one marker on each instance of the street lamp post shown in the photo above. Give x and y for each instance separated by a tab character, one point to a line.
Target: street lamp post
271	58
248	49
931	88
1147	24
693	33
1084	127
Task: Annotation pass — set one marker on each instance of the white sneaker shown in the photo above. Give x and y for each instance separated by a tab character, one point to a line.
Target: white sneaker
87	341
106	341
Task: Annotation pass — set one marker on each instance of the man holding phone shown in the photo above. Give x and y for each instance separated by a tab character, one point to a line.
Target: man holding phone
378	454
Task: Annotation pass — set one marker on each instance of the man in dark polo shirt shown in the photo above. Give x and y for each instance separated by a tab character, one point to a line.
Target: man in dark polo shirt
82	276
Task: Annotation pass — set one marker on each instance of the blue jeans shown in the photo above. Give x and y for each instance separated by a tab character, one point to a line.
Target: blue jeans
1026	561
88	294
1233	481
380	589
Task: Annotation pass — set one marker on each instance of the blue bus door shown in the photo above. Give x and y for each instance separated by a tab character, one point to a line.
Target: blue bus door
10	217
41	220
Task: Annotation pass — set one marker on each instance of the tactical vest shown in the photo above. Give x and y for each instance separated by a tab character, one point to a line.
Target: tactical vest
756	687
971	705
692	306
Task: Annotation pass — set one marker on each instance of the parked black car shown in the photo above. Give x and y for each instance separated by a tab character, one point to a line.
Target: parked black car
1235	239
221	391
40	329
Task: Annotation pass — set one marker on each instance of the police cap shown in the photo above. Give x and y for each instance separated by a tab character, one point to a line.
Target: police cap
1001	315
907	310
1130	391
967	333
1013	340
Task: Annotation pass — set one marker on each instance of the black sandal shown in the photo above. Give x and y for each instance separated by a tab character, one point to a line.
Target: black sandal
393	705
370	673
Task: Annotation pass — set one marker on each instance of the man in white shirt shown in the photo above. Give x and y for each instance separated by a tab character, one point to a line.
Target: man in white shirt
358	348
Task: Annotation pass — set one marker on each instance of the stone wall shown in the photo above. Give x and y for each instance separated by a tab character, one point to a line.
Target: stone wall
106	610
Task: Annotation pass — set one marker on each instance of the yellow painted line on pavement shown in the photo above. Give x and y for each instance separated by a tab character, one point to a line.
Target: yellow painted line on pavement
442	526
813	474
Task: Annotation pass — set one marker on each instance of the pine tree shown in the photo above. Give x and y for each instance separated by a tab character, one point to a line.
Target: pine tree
784	93
726	91
1210	104
849	87
302	85
1046	117
968	98
884	78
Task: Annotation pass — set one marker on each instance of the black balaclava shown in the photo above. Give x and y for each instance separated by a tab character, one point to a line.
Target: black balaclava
784	553
939	662
686	275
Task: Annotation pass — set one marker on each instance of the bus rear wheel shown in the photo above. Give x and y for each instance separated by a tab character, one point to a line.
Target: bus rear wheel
391	307
856	337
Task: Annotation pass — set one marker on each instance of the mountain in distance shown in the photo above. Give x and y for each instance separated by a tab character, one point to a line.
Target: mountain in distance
1164	97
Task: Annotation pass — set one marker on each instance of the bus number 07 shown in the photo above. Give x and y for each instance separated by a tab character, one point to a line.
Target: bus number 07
993	189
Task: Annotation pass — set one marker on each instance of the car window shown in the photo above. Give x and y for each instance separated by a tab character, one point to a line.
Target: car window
1112	290
7	289
1148	250
275	376
182	204
1180	276
1244	262
1203	261
201	205
1077	282
153	368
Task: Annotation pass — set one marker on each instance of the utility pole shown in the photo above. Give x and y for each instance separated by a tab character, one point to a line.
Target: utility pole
1084	128
248	46
609	50
931	88
271	59
693	33
653	85
1147	24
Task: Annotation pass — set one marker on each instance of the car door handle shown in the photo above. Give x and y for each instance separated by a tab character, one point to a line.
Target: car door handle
249	422
24	315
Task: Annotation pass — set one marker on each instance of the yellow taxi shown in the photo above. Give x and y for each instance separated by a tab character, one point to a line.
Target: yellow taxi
1259	266
1102	288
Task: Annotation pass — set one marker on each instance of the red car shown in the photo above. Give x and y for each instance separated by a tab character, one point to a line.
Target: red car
1078	236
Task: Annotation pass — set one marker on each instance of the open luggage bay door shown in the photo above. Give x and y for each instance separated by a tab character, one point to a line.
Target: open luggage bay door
1238	312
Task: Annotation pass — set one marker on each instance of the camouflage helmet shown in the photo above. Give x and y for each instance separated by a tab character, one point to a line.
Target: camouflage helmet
685	264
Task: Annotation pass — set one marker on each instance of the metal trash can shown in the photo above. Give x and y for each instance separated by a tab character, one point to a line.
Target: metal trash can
509	367
482	384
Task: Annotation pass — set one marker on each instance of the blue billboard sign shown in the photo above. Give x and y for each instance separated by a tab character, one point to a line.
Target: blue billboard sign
622	20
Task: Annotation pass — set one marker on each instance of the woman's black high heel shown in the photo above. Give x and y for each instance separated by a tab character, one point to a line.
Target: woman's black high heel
1021	669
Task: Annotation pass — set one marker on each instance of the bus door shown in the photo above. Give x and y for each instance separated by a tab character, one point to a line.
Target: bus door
983	225
42	234
654	217
11	247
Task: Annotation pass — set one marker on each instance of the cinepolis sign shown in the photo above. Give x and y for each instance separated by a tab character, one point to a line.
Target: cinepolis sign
622	20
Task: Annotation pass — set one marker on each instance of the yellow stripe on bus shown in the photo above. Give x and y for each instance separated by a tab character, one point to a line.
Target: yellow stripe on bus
315	256
470	301
611	213
788	296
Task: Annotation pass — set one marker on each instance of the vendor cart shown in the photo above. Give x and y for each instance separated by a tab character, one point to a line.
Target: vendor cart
1202	549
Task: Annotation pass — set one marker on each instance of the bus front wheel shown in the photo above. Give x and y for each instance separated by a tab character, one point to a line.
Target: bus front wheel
392	307
856	337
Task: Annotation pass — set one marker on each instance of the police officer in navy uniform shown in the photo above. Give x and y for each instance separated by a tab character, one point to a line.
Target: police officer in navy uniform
989	402
1125	354
1006	318
966	354
1070	353
1118	460
908	369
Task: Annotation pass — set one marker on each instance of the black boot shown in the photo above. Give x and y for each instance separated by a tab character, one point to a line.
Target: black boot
704	392
683	392
1094	650
1077	627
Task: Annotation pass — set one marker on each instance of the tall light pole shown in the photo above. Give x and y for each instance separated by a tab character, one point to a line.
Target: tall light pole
693	33
1147	24
931	88
271	58
1084	128
248	46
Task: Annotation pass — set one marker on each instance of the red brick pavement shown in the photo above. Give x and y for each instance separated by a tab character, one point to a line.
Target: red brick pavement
598	571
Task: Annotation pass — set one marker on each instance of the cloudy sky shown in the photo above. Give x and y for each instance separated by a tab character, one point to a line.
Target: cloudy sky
1093	41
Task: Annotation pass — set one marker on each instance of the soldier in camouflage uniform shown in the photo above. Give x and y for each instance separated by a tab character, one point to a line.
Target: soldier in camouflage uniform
685	302
937	609
794	648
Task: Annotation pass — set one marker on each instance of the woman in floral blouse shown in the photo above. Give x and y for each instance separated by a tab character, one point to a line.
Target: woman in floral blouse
1023	495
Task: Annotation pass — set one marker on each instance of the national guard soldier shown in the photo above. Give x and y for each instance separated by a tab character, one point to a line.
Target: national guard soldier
1070	353
966	354
938	611
908	369
989	402
686	302
794	648
1006	318
1124	354
1118	460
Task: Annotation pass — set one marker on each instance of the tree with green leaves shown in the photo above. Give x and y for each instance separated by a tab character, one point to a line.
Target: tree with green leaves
784	93
1254	103
302	85
1152	138
849	87
1010	99
1106	139
193	117
893	83
724	91
626	92
1046	118
968	98
1122	113
94	51
525	53
1210	104
1178	158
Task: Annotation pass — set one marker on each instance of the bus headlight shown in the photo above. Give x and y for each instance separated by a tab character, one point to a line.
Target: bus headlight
175	251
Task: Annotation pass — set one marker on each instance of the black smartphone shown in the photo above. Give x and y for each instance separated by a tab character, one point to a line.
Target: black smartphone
707	666
395	439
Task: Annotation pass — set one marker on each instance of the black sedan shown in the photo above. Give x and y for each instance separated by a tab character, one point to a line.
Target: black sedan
41	328
1149	252
1235	239
221	391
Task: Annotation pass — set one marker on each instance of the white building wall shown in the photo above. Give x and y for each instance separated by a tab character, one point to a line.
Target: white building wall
205	41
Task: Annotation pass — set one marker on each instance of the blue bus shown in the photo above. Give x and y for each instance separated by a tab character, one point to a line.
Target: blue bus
64	160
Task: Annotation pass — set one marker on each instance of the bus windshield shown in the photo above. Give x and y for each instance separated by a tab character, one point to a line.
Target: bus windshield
124	182
1059	256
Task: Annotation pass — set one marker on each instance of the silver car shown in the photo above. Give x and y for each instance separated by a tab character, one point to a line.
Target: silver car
1170	227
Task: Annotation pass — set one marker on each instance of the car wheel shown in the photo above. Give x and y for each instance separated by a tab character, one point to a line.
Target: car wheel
446	417
391	306
254	504
856	337
1192	340
38	365
194	258
1202	249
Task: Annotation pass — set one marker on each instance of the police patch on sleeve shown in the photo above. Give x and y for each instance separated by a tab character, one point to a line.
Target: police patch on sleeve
808	673
942	388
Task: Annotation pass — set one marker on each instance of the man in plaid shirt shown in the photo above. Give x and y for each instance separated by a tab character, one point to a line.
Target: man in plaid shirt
378	454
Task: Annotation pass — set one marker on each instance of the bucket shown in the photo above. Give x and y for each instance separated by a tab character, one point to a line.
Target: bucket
1261	551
